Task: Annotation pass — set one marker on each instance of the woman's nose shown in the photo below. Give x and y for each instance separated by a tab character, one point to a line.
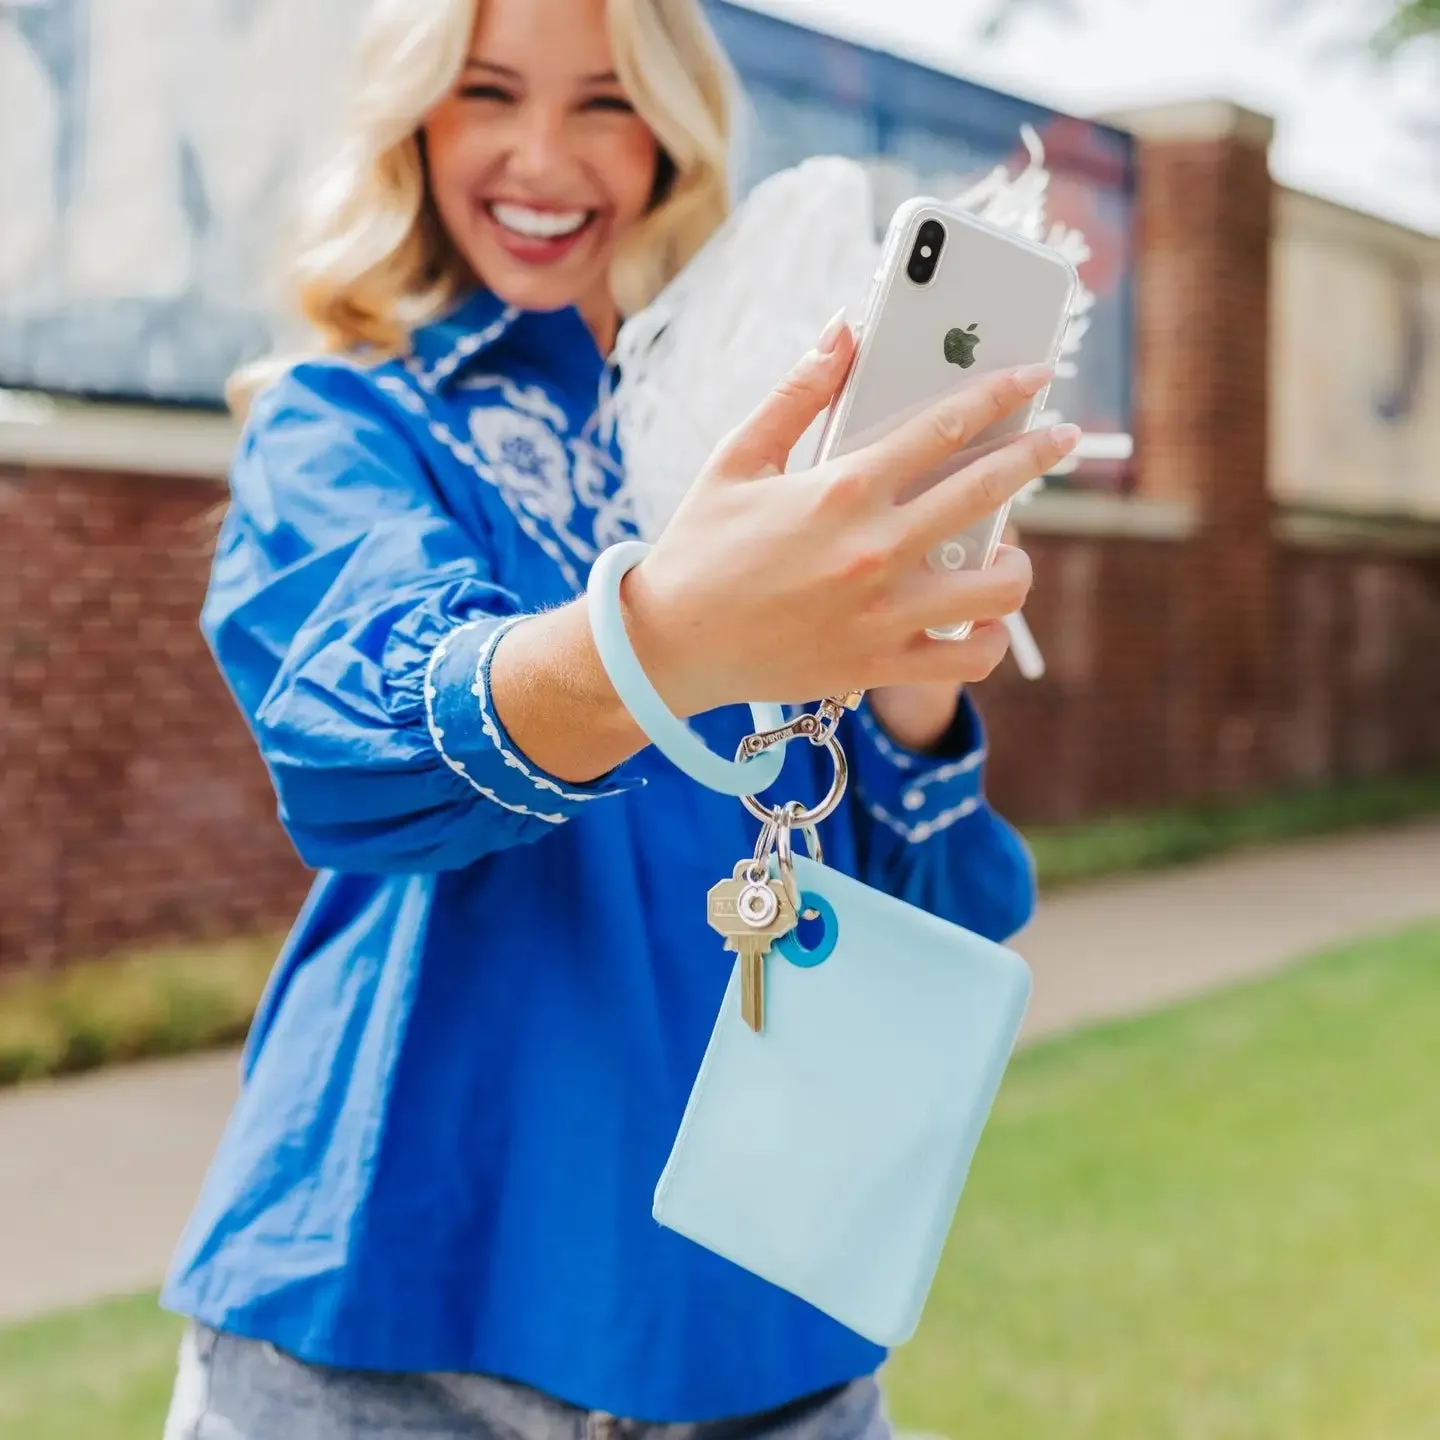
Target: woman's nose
538	148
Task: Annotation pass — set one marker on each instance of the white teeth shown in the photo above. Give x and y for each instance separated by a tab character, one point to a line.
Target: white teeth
539	224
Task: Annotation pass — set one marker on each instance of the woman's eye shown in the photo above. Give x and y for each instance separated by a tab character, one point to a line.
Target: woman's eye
612	104
495	94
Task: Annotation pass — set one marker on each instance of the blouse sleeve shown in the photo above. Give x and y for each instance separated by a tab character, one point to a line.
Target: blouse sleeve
926	833
354	621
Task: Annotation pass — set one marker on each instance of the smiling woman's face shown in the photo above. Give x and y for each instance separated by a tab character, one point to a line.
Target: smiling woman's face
538	163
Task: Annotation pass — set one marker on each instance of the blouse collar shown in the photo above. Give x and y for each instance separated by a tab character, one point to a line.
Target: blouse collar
443	350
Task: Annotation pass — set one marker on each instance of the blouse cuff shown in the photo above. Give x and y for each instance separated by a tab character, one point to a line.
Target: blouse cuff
470	739
915	795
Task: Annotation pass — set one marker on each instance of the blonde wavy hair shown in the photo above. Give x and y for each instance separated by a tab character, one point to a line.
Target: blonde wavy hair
372	261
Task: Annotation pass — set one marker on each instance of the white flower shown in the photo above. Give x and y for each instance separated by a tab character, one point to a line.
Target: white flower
529	399
527	457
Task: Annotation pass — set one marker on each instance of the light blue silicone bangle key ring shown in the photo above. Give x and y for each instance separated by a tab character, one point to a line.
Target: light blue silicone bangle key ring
671	736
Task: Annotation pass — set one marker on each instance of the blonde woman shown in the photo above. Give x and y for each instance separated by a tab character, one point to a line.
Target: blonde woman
430	1214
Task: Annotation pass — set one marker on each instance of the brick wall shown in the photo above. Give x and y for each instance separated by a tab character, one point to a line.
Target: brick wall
132	805
1234	661
1351	688
1356	680
1205	212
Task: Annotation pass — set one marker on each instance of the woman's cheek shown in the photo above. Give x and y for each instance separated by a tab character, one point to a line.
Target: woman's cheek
629	169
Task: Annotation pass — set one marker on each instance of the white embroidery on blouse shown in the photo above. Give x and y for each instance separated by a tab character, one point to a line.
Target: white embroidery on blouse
398	390
481	691
466	455
529	399
528	459
926	828
883	742
915	797
613	510
464	348
540	473
437	735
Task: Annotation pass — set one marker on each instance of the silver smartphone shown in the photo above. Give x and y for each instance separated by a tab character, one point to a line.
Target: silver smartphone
953	299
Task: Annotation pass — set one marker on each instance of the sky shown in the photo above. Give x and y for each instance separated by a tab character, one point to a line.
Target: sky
1341	118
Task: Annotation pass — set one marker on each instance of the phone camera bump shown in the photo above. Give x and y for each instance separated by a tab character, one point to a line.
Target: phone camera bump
925	254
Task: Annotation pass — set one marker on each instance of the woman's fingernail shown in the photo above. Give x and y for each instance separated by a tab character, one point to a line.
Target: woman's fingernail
1032	379
830	335
1065	436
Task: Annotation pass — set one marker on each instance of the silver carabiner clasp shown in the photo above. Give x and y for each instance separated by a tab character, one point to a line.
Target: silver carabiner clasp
806	727
818	728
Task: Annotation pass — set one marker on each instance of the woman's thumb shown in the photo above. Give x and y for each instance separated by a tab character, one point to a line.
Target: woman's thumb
763	443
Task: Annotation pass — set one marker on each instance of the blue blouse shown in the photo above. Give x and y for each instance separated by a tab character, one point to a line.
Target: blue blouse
471	1061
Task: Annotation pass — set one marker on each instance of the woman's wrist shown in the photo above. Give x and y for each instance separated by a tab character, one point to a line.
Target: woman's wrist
916	717
552	695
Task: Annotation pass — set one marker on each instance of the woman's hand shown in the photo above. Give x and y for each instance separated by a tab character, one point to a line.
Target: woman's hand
917	716
767	586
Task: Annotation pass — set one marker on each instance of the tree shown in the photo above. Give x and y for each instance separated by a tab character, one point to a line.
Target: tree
1400	38
1412	20
1392	24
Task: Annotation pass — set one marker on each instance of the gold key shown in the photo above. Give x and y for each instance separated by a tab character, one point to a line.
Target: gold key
752	915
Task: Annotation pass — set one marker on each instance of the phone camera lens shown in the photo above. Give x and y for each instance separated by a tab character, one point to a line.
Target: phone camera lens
925	256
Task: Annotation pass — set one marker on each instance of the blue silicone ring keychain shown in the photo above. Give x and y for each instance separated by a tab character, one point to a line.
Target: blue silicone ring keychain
671	736
807	957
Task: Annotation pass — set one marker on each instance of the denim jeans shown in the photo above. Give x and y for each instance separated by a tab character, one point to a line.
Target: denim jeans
234	1389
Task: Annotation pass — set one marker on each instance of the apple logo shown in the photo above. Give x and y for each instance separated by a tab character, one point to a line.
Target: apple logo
960	346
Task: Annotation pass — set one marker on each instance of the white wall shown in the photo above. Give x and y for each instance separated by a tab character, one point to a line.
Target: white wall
1355	409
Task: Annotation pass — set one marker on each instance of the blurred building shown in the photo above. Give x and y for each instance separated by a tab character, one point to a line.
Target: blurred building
1253	602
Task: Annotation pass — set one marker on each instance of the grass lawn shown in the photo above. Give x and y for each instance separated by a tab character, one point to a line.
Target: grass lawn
1219	1221
98	1374
1124	843
163	1002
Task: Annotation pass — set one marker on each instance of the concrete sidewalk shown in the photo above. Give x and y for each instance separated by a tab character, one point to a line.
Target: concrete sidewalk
97	1174
1118	947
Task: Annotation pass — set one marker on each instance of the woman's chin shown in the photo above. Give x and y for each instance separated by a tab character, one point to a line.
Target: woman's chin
533	295
537	292
540	286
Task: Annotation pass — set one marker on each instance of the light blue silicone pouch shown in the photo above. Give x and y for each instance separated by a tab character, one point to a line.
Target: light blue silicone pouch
828	1153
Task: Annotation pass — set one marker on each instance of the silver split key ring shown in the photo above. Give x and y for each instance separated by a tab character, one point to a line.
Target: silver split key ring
785	856
760	864
779	823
